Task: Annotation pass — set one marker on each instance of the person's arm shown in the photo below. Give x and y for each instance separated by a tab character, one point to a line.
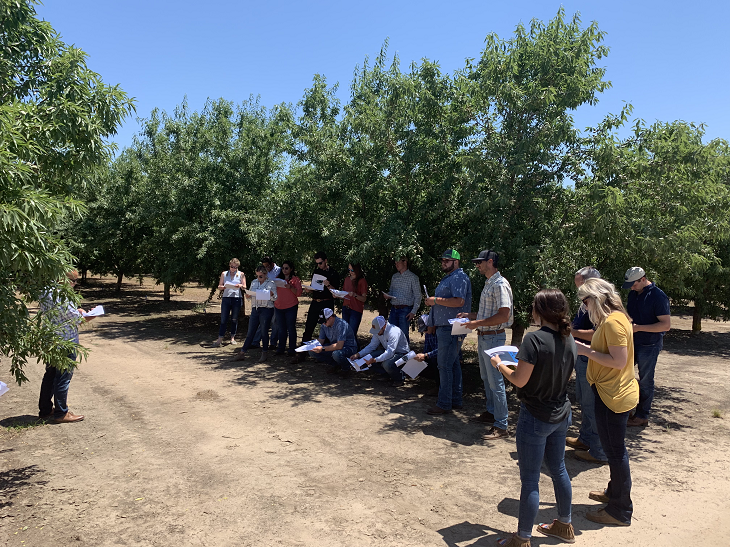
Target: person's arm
663	325
416	290
454	302
312	277
390	346
222	284
519	376
502	316
616	357
371	347
364	291
273	291
584	334
295	285
243	281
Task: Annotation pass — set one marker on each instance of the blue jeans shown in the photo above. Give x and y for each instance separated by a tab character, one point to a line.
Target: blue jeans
260	318
230	305
645	358
538	441
287	319
274	333
54	387
588	434
352	318
388	367
612	431
450	388
494	389
335	358
399	318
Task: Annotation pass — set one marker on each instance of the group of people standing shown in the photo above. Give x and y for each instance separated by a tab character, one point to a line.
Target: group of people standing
602	343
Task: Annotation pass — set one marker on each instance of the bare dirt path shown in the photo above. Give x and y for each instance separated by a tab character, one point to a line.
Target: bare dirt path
182	447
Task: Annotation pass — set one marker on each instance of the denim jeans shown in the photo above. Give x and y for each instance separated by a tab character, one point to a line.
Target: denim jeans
399	318
54	387
612	431
494	389
645	358
315	308
230	305
352	318
274	333
538	441
287	319
450	388
588	434
260	318
388	367
335	358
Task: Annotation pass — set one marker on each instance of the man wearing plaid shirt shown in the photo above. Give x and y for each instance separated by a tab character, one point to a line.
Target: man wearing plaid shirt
405	292
494	315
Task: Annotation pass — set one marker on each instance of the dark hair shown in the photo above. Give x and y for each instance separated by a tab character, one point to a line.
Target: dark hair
267	260
358	273
552	306
292	273
320	254
263	269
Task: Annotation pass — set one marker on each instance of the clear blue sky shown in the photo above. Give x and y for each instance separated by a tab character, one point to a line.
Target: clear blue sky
670	59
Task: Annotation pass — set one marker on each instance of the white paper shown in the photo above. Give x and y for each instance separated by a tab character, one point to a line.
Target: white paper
263	295
280	282
457	326
318	282
96	312
507	354
338	294
250	293
308	346
230	285
386	295
359	364
3	388
424	318
413	368
425	291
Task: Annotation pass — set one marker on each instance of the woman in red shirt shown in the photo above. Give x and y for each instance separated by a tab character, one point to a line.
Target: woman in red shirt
357	290
286	307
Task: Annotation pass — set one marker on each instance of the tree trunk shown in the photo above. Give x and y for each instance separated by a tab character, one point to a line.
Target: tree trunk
166	293
696	319
518	332
120	275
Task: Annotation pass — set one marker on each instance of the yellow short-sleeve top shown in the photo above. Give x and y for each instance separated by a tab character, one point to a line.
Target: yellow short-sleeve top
617	388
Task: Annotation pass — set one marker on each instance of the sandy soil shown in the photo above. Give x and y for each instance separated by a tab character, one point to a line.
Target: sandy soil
182	447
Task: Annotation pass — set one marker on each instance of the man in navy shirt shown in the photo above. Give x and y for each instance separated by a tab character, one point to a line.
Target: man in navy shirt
648	307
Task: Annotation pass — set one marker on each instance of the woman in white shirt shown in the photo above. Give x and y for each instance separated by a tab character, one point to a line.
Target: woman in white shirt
261	314
231	283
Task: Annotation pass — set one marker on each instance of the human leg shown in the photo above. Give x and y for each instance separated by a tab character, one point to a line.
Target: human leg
646	358
315	308
225	312
530	440
45	401
323	357
399	318
584	394
265	317
290	320
395	373
253	325
275	329
340	357
235	312
61	382
555	461
612	431
450	390
494	392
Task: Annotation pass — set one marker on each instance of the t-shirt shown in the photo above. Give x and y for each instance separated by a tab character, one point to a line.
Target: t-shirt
339	330
644	308
362	288
553	357
582	322
617	388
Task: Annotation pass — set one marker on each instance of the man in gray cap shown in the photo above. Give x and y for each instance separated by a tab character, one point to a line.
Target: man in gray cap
388	344
649	309
494	316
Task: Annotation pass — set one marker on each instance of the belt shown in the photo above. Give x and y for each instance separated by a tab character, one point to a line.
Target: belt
403	306
489	332
322	300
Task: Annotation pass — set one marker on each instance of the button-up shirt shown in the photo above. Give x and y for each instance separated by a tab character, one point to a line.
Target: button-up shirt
497	293
274	273
455	285
63	314
393	341
267	285
405	288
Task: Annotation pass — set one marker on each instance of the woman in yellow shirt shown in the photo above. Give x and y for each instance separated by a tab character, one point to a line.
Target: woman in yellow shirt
611	376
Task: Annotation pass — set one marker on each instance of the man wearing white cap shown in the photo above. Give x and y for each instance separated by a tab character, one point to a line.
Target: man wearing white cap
649	309
388	344
337	342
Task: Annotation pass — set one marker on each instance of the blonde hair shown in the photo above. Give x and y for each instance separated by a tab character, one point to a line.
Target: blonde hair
234	262
605	297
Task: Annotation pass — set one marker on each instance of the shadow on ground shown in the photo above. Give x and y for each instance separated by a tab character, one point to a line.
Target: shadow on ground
13	481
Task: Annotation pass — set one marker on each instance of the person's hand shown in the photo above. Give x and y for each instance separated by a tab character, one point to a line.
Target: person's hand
81	311
318	349
420	357
583	349
636	327
462	315
431	330
350	293
249	296
430	301
370	361
495	361
306	289
386	296
355	356
326	283
471	325
410	316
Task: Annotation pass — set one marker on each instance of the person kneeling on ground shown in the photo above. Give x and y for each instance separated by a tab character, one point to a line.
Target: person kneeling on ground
337	342
388	344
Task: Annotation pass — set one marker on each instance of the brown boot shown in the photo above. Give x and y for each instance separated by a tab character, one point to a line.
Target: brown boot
557	529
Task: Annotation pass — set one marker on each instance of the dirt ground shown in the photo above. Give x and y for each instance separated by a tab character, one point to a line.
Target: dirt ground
180	446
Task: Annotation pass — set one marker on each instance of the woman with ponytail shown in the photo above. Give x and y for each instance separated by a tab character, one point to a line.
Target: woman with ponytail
545	362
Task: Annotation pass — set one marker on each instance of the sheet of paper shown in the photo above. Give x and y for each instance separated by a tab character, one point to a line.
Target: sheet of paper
3	388
386	295
96	312
263	295
318	281
338	294
279	282
230	285
425	291
457	326
359	364
250	293
308	346
507	354
424	318
413	368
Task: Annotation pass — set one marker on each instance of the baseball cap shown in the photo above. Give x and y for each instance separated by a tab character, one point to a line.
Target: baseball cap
378	323
487	254
324	315
451	254
632	275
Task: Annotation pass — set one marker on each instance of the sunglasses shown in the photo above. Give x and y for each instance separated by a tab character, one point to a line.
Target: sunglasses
586	299
350	270
319	263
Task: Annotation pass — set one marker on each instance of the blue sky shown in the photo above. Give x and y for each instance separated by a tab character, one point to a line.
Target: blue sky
669	59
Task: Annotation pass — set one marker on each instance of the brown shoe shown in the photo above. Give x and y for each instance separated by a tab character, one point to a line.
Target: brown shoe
68	418
495	433
585	456
598	495
573	442
637	422
557	529
437	411
240	356
601	517
485	417
514	541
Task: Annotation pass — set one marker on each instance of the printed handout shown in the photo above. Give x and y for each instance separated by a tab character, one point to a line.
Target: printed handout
413	368
96	312
263	295
338	294
307	346
359	364
457	326
508	354
280	282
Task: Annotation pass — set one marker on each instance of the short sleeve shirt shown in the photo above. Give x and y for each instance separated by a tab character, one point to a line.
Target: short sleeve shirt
362	288
644	308
497	293
339	330
455	285
617	388
553	357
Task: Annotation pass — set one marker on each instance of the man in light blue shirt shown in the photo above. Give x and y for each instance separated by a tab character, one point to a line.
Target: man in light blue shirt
452	297
389	344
